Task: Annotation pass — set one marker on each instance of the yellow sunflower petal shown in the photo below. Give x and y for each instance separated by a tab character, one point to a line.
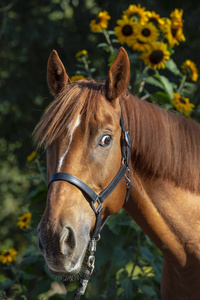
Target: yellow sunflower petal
101	22
24	220
31	156
156	55
8	256
125	30
182	104
190	68
81	53
77	77
137	12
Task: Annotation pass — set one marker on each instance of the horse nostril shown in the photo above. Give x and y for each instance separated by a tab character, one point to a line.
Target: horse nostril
68	242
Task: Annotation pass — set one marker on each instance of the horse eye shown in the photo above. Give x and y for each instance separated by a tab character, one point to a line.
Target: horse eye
105	141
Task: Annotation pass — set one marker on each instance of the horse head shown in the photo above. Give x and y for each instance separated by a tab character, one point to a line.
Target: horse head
82	135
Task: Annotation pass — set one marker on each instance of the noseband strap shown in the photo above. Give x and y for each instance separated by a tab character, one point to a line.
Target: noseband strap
94	199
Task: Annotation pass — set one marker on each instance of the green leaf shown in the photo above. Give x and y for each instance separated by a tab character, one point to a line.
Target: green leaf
102	45
30	259
127	288
160	97
41	286
189	89
166	85
148	290
110	32
6	284
151	80
147	254
171	66
111	59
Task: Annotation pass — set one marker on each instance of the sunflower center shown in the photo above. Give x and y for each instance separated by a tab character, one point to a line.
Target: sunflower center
156	56
182	101
146	32
174	31
7	253
98	20
154	21
24	219
127	30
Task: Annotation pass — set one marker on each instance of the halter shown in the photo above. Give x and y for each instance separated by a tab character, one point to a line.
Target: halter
94	198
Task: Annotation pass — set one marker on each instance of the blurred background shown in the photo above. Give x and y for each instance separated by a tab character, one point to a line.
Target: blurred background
29	31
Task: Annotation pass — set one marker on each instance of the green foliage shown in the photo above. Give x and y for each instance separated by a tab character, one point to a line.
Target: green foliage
128	265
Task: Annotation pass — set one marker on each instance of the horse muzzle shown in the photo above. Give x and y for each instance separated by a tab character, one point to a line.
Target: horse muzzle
64	252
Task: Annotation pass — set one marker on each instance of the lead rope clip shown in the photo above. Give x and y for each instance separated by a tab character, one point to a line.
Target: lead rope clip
89	270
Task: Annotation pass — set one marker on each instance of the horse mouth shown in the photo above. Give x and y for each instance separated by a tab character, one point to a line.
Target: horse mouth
69	276
72	272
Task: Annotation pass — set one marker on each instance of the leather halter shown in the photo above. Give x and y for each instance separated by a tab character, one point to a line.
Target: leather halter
90	195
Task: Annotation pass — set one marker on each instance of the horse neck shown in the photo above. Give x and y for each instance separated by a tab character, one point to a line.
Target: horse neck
164	145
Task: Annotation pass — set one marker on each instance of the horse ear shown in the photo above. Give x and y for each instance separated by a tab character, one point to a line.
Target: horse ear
56	74
118	75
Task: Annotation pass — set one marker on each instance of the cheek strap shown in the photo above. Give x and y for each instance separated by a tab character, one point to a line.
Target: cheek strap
90	195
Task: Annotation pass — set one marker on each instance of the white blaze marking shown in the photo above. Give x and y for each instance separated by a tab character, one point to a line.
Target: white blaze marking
78	121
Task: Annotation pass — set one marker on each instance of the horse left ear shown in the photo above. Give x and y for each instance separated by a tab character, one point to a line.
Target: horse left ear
56	74
118	75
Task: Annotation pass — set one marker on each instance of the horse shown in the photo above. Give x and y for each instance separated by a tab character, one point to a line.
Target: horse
82	134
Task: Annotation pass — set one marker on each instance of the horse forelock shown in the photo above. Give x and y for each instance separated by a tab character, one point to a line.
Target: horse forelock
164	145
81	97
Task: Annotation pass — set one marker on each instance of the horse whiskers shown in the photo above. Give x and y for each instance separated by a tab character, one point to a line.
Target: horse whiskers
78	276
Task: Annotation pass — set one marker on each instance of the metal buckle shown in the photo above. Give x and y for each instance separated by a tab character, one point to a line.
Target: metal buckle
90	263
127	138
99	207
128	179
92	248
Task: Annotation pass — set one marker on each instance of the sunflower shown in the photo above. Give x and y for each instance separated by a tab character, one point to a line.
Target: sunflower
24	221
182	104
139	45
125	30
190	68
174	35
81	53
31	156
155	18
137	12
177	18
156	55
101	22
146	33
77	77
8	256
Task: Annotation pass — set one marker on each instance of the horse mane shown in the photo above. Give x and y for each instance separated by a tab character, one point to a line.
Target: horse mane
77	98
165	145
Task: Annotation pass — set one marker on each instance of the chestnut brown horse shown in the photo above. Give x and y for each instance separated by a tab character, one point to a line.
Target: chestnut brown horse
82	135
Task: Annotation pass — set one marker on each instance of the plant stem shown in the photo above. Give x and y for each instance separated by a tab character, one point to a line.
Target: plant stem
140	83
108	41
41	172
182	84
86	65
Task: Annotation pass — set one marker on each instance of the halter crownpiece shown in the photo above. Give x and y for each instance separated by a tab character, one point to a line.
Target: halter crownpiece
94	198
